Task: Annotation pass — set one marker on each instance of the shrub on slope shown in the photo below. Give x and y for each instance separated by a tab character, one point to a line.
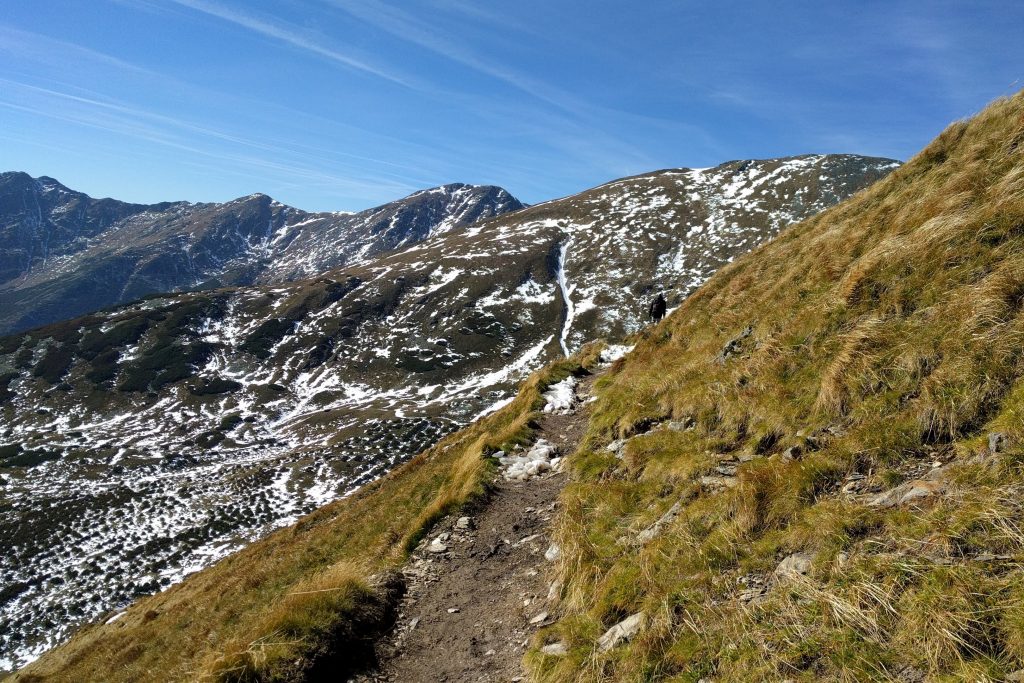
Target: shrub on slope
832	397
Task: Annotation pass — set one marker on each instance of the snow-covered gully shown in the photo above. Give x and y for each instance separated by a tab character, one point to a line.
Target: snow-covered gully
566	289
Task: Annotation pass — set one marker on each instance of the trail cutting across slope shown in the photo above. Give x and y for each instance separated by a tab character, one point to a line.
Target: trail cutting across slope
479	585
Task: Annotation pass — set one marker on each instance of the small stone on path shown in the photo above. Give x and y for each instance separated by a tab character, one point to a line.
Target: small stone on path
553	553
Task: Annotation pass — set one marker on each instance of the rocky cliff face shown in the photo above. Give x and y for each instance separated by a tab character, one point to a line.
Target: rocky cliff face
64	254
172	431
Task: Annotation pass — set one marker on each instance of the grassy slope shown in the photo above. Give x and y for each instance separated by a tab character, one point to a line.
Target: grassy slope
887	334
303	596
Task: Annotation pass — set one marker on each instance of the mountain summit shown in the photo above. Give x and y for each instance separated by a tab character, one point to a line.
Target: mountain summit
64	253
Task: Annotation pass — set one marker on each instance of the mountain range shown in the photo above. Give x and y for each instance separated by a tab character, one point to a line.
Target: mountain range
63	253
173	430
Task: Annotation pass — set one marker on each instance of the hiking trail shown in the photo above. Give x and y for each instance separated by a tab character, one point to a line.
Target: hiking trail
478	586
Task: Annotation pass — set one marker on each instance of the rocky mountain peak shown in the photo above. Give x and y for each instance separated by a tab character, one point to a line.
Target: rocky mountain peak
63	253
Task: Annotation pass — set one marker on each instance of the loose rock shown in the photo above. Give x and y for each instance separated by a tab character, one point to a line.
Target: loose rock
996	441
552	553
715	483
854	483
616	447
791	453
909	492
733	346
655	530
797	564
622	632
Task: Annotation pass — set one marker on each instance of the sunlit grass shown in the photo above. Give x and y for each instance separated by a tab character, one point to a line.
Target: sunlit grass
886	334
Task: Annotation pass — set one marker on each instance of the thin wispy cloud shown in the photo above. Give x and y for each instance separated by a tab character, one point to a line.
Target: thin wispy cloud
405	26
543	98
250	165
580	129
155	128
71	58
28	45
291	36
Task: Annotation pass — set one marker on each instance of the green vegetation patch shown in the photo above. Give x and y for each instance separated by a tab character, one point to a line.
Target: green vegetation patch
54	363
164	365
213	386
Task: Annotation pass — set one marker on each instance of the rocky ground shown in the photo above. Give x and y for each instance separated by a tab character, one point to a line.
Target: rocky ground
480	585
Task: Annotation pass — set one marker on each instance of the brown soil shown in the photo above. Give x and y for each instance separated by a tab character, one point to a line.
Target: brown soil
467	612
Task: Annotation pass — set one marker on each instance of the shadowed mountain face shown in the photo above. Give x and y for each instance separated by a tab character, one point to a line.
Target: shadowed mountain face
63	253
172	431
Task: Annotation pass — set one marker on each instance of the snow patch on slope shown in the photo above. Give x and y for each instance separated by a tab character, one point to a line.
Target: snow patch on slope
566	289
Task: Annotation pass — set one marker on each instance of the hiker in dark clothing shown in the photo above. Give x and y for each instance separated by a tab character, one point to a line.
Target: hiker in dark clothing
658	307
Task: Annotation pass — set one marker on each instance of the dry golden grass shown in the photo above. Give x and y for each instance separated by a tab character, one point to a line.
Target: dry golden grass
887	333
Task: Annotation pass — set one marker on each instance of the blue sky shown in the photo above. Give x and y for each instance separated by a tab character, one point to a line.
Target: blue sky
345	104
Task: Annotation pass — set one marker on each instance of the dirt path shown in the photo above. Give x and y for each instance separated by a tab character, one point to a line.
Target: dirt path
470	610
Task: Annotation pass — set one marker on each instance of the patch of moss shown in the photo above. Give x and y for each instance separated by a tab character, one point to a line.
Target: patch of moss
5	383
18	456
103	367
267	335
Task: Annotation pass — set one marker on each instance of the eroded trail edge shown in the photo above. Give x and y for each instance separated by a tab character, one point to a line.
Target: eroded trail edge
480	585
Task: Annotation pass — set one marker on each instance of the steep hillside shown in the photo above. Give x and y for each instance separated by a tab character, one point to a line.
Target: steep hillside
813	469
175	430
63	253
